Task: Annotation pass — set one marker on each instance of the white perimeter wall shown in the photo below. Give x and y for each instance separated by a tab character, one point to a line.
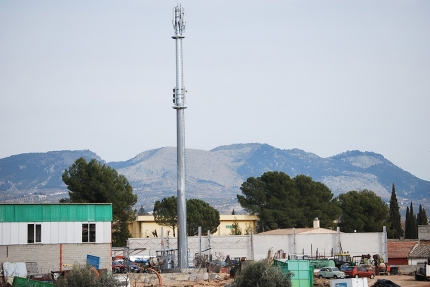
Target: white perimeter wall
52	232
327	244
241	246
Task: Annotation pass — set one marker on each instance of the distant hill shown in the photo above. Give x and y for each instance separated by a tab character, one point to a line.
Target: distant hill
214	176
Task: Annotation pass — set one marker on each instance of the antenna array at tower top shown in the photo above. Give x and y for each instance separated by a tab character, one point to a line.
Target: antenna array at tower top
179	20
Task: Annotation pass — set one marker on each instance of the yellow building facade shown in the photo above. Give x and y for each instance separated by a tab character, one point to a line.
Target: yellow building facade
145	227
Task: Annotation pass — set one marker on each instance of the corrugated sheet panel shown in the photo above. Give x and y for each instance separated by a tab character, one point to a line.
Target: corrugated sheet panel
55	212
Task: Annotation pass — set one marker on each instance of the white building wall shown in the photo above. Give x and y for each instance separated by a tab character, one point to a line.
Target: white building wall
77	231
70	231
12	233
415	261
103	232
55	232
46	232
62	233
5	233
22	233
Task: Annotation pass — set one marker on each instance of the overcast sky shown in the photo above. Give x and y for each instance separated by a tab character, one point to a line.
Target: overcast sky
322	76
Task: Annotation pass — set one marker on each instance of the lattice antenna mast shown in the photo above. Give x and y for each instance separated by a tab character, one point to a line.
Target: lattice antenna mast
179	105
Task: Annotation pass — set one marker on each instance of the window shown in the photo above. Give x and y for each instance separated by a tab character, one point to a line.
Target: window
88	232
34	233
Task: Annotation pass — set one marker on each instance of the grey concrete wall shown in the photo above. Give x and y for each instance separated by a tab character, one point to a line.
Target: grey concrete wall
424	232
47	256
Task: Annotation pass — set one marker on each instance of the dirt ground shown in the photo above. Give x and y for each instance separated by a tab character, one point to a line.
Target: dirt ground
402	280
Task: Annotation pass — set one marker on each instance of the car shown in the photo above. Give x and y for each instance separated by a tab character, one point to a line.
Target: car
358	271
118	267
131	267
330	272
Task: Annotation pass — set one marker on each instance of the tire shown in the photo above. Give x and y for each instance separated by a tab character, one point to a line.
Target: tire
334	277
320	276
356	275
372	276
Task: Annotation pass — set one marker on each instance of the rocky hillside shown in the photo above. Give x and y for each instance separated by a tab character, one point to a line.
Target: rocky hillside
214	176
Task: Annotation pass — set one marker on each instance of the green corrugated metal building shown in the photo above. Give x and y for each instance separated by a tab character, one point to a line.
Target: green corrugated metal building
55	212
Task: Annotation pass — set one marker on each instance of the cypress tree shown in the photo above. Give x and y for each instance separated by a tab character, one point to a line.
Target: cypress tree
407	224
425	218
422	217
411	223
395	218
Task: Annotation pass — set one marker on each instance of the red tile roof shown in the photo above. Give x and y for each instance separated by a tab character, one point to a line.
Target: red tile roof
400	249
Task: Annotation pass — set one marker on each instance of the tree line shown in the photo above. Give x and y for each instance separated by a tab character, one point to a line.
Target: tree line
284	202
278	200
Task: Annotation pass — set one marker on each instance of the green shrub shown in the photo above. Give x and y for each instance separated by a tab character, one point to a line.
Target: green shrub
86	276
261	274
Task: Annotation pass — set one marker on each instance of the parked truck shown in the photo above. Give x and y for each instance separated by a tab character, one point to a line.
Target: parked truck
423	272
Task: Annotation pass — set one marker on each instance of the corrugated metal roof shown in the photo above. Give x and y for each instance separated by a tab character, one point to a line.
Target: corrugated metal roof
56	212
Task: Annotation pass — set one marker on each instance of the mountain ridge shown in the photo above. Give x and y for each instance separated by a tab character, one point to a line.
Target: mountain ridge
215	175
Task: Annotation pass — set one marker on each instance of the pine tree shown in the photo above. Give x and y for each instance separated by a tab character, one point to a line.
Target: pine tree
395	218
96	182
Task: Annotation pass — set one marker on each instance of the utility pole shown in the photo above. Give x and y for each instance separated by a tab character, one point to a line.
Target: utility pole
179	105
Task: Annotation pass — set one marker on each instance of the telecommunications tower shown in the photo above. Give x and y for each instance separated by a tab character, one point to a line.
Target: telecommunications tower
179	105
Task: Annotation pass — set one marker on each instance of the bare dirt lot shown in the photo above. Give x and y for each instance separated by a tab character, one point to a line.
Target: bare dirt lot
402	280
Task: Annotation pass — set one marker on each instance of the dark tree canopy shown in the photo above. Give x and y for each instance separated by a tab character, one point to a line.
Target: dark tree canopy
408	224
422	217
142	211
94	182
199	213
283	202
412	221
362	211
395	230
166	212
411	228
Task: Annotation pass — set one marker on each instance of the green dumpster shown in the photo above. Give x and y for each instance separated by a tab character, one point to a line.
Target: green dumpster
302	275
